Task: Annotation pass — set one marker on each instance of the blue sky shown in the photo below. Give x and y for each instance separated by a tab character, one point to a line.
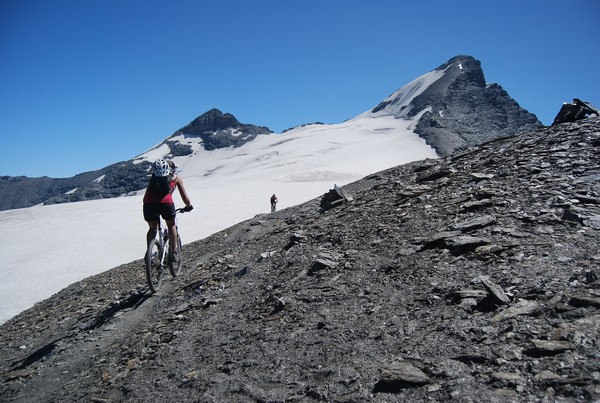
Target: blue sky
86	83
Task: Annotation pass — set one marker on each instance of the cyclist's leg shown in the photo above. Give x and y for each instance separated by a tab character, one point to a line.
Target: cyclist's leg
168	213
151	234
151	215
172	233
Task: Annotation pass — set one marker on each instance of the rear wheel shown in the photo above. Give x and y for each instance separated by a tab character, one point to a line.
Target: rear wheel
175	267
154	271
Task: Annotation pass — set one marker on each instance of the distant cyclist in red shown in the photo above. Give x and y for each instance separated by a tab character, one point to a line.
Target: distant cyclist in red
158	201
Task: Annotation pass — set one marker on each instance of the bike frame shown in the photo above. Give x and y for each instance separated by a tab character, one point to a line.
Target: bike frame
163	238
155	269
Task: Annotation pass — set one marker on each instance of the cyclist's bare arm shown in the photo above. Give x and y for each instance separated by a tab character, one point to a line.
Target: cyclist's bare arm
182	192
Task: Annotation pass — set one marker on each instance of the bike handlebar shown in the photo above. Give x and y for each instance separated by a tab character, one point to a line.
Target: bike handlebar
185	209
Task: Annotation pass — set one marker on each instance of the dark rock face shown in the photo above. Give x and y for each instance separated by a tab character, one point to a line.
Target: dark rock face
464	110
221	130
117	180
211	121
469	278
21	191
113	181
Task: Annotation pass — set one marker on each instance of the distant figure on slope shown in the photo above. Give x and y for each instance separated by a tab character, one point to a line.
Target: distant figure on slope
158	201
273	203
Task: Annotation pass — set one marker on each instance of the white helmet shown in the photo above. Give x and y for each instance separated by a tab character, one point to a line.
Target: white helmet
161	168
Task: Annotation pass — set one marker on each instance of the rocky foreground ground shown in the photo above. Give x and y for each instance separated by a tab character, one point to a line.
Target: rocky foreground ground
470	278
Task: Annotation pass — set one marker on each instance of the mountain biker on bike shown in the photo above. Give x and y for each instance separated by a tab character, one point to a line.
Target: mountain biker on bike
273	203
158	202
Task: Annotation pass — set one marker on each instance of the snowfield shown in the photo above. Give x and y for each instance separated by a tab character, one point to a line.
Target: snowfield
46	248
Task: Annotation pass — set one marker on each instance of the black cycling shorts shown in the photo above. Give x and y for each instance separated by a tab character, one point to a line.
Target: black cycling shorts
153	210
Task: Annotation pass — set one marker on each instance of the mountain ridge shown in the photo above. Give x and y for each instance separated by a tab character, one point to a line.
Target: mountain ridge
450	107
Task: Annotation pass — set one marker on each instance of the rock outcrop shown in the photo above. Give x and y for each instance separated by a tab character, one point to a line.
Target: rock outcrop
576	110
469	278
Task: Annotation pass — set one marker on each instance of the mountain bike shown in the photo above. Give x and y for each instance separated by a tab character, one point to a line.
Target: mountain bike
157	255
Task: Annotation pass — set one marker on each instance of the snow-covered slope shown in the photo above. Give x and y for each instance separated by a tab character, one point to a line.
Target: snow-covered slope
399	103
45	248
305	154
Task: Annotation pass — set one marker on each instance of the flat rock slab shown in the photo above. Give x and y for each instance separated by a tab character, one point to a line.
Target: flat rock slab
520	308
400	375
584	301
495	291
548	347
464	241
475	223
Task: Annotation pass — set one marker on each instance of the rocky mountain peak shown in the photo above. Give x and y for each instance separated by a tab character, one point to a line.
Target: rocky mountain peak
455	108
467	71
216	130
410	100
210	121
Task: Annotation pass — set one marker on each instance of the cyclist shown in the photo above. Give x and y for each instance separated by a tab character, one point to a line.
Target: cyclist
273	203
158	201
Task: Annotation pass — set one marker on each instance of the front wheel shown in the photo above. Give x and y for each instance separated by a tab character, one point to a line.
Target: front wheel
175	267
154	268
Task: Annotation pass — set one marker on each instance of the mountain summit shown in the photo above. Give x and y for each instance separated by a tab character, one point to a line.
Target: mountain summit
455	108
221	130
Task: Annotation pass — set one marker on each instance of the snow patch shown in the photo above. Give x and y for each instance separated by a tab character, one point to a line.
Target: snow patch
153	154
316	176
399	103
236	132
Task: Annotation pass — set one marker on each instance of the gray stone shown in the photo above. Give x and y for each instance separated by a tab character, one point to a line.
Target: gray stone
585	301
522	307
464	241
495	291
400	375
549	347
472	224
335	197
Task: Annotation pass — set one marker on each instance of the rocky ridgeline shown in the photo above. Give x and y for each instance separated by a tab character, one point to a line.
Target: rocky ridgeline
469	278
